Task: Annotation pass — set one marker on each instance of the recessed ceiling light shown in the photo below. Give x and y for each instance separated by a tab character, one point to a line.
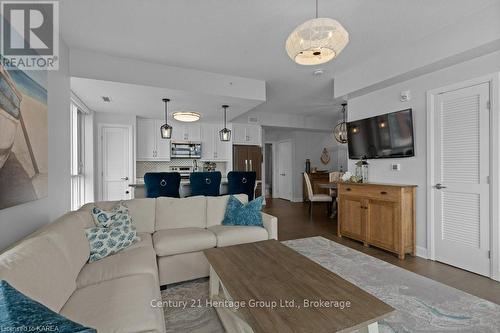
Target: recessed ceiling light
186	116
106	99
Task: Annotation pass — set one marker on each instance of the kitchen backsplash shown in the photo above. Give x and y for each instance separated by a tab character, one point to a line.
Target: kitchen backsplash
154	166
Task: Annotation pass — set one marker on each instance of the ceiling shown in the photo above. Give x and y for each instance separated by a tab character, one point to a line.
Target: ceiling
246	38
145	101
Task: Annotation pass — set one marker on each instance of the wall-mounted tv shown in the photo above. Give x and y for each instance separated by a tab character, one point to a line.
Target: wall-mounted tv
386	136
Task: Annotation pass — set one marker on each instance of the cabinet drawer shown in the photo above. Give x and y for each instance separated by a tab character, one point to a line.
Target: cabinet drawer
373	191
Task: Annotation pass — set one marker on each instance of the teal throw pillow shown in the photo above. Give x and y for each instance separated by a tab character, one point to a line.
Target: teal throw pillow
238	213
19	313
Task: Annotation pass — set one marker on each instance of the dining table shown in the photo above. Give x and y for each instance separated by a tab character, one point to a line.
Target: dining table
331	186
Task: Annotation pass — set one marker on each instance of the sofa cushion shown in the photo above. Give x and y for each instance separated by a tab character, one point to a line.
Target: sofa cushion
145	240
116	306
182	240
38	268
19	313
216	208
232	235
141	260
141	210
68	233
174	213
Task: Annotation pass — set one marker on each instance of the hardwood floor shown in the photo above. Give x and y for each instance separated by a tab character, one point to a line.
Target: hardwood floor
293	223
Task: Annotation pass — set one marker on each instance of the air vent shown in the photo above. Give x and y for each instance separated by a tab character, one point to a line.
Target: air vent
253	119
106	99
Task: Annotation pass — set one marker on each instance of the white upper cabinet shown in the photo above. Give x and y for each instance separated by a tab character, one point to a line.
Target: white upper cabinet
212	148
247	134
186	132
150	145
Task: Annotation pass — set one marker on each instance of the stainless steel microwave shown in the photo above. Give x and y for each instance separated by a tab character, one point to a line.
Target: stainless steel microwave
186	150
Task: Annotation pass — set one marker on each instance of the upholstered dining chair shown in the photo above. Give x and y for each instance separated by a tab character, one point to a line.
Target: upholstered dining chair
242	182
320	197
162	184
334	176
205	183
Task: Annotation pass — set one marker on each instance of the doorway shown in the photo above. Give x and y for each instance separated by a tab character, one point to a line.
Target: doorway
460	169
116	170
284	180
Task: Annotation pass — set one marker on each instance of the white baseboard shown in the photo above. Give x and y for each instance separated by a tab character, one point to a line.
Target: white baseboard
297	199
422	252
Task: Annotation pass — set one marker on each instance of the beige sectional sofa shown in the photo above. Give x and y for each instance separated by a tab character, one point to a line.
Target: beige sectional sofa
114	294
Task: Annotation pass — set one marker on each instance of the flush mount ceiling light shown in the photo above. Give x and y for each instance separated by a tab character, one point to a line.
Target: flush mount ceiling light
225	133
316	41
186	116
340	131
166	129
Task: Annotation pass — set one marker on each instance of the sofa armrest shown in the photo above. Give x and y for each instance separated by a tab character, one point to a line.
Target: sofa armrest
271	225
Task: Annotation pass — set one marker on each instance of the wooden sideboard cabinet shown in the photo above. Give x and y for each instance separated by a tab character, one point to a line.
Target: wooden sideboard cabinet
382	215
316	179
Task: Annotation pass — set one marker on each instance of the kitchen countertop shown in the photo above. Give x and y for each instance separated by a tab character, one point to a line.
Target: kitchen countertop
184	182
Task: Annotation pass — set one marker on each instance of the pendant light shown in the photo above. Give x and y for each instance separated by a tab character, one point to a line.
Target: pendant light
225	133
316	41
340	131
166	129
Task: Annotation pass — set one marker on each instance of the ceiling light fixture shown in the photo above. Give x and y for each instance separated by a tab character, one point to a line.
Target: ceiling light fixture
166	129
186	116
340	131
316	41
225	133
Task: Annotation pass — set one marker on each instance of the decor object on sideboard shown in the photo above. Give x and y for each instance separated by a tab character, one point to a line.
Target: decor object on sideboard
166	129
362	170
325	157
308	166
316	41
225	133
23	137
340	131
186	116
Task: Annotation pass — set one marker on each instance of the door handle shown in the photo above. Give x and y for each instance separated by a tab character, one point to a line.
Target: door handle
251	167
282	174
124	178
246	165
439	186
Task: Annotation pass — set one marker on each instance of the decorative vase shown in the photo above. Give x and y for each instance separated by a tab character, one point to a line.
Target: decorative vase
362	170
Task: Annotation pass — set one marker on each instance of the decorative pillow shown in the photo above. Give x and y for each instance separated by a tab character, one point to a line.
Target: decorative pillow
106	219
238	213
19	313
108	241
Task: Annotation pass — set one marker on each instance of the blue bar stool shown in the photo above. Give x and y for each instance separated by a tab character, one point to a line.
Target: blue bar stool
242	182
162	184
205	183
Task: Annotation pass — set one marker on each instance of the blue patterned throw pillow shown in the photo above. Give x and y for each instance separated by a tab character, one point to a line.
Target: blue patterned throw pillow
238	213
19	313
114	232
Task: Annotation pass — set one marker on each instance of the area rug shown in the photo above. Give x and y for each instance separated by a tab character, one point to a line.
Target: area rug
422	304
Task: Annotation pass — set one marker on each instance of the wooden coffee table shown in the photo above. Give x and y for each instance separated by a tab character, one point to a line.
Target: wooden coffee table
268	287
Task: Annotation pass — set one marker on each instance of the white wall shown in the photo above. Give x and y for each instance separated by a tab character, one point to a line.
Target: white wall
18	221
413	170
306	145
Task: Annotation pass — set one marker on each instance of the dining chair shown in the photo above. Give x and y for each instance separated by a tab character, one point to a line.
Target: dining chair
205	183
242	182
162	184
334	176
320	197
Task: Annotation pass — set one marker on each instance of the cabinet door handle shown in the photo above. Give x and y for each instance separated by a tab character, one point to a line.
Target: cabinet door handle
383	192
251	167
348	189
246	165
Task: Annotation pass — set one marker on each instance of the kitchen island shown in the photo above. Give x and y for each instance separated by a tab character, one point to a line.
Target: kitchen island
139	189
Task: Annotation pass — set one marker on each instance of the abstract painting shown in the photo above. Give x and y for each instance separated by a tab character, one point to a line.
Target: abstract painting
23	136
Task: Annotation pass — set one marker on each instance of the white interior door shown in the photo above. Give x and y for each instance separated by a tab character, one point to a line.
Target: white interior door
461	169
116	165
285	170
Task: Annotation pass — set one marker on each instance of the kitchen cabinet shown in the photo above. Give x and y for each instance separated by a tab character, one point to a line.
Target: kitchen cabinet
378	214
247	134
248	158
150	145
213	149
186	131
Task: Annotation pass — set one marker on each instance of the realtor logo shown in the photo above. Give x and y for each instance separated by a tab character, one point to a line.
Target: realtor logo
30	35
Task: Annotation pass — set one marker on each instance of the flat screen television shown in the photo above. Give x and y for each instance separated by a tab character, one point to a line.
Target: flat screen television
386	136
